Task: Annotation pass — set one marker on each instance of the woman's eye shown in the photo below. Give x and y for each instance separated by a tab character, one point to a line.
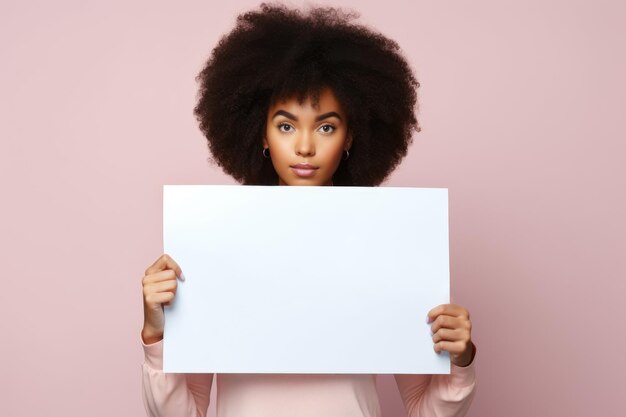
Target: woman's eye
288	128
281	125
332	128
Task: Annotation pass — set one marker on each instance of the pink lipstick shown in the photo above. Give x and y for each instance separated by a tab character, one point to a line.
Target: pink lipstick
304	170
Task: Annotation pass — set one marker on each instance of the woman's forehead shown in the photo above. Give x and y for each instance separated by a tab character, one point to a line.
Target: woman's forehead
326	101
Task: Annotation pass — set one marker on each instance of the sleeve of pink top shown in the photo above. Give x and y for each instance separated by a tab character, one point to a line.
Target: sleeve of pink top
439	395
170	394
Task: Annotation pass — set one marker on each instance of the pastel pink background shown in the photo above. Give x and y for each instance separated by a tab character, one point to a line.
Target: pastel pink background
522	108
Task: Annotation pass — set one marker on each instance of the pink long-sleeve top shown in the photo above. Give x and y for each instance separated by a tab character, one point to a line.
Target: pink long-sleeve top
299	395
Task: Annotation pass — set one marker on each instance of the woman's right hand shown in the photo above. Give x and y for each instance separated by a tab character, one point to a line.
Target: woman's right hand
159	288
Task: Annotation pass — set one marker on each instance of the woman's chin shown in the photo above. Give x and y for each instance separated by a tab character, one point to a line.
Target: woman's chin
303	181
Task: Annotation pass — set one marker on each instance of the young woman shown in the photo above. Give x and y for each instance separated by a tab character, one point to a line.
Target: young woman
294	99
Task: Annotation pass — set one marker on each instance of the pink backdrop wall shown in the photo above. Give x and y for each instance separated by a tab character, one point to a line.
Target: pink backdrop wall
522	109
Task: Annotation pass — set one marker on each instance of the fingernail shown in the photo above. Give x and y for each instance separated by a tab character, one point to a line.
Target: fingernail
427	319
182	277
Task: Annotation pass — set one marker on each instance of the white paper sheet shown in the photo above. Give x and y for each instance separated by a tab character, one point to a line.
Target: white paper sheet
297	279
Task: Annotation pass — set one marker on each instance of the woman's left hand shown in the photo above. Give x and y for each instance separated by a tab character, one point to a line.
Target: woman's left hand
452	332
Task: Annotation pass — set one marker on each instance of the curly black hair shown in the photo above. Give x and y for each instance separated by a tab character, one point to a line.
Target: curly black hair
276	53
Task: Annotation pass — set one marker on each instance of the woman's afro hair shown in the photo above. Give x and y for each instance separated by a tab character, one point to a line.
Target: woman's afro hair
276	53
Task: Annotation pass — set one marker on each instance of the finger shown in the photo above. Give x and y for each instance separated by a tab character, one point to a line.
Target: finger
163	286
166	275
451	347
432	314
450	335
159	297
447	309
448	322
164	262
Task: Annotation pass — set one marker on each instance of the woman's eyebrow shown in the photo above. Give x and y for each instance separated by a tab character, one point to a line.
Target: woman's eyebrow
317	119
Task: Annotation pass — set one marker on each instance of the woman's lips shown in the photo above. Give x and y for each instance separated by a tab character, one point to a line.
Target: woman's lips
304	170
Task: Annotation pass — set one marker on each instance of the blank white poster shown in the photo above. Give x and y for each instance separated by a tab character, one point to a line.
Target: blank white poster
297	279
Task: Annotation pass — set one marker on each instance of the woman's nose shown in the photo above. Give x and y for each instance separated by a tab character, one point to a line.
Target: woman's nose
305	146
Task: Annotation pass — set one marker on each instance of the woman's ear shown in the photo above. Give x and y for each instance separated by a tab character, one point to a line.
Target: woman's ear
265	144
348	142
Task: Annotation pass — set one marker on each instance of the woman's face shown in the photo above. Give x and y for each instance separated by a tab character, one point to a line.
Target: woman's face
300	134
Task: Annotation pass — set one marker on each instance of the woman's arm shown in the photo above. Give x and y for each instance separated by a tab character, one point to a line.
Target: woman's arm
172	394
439	395
444	395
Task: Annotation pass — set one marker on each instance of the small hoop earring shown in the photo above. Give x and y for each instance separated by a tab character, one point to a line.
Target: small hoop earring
347	155
268	152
